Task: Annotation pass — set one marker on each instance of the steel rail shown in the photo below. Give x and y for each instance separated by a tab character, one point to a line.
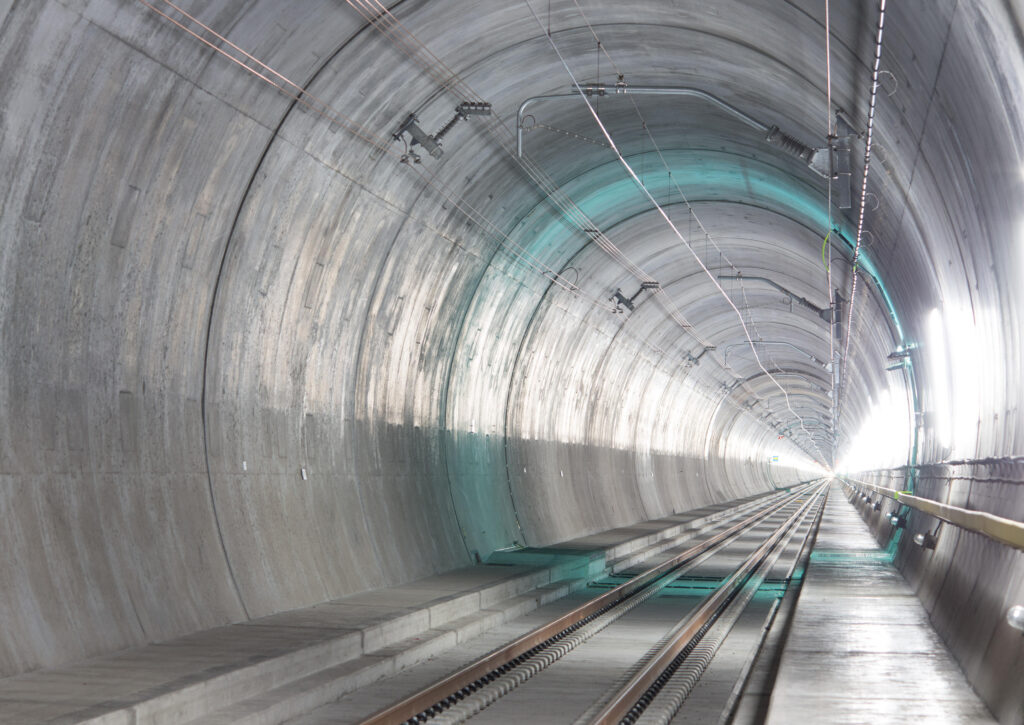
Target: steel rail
626	699
686	670
783	607
1005	531
419	702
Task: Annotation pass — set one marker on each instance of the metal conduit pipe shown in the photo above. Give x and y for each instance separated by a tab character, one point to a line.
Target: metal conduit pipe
773	135
812	382
822	312
734	345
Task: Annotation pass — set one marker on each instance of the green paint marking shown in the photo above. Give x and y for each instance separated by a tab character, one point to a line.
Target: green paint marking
851	557
607	197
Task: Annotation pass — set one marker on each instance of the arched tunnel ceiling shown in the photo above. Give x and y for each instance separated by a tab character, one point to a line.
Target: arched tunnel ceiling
275	365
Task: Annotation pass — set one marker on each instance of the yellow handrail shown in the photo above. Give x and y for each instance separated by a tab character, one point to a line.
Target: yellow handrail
1005	531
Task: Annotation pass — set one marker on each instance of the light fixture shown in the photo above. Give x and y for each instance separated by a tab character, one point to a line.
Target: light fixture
925	540
898	522
878	505
1015	617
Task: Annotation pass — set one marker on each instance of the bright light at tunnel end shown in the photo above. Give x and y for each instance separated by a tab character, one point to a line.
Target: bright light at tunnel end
883	440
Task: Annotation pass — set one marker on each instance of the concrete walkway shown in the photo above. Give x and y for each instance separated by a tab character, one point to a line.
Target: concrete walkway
861	649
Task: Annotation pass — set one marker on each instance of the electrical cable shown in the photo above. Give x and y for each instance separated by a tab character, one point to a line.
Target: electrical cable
301	96
693	213
668	220
863	199
829	136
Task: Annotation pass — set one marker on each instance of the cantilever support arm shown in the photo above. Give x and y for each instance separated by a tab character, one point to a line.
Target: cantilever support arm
822	312
772	133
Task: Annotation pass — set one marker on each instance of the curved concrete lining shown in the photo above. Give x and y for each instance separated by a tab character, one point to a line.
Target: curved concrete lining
253	362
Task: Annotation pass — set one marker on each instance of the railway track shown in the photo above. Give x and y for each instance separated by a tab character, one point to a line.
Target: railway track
697	592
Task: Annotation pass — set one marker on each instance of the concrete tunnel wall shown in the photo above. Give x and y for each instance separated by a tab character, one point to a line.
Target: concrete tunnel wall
967	604
207	289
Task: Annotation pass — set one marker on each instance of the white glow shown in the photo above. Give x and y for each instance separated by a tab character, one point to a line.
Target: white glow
967	370
883	440
1020	256
940	404
956	371
1015	617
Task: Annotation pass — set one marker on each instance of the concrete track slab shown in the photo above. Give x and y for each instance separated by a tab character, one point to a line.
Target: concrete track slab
278	666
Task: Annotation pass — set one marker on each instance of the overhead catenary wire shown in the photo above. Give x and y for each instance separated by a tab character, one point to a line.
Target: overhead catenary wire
666	300
829	136
692	211
394	29
632	174
302	97
863	200
693	214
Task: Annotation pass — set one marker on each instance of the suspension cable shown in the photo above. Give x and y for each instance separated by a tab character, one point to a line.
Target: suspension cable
453	82
707	235
863	198
668	220
829	136
645	126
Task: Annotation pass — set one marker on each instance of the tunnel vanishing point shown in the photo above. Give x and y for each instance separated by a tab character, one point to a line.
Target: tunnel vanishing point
307	307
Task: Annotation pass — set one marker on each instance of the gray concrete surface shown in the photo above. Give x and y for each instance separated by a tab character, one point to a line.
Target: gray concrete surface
251	363
965	603
283	665
861	648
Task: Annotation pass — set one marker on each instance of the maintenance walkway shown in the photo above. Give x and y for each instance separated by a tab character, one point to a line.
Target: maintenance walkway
861	649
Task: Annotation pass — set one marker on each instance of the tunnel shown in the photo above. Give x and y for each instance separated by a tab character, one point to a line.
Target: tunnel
309	302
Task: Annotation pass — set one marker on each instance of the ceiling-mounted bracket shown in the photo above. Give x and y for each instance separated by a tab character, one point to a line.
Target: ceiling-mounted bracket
694	360
840	171
621	300
432	143
417	135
